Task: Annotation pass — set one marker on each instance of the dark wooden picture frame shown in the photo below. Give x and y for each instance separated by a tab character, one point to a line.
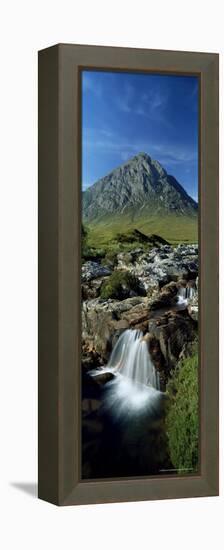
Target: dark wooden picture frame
59	380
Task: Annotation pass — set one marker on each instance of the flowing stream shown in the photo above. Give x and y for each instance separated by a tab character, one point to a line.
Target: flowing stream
130	357
124	431
126	435
186	293
135	386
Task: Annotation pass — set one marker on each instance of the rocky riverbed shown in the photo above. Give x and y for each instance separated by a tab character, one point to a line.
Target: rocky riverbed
165	308
163	304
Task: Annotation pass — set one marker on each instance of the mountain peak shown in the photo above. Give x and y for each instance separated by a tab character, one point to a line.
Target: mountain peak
140	185
144	159
143	155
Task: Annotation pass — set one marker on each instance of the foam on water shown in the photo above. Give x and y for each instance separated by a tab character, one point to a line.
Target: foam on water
136	384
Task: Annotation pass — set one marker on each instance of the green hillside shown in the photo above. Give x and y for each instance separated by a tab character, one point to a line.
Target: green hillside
173	228
138	195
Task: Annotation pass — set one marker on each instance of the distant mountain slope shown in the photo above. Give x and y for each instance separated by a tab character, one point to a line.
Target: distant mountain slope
137	189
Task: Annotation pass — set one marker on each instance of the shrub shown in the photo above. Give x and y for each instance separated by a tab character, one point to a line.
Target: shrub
84	241
84	235
182	420
110	258
119	284
88	252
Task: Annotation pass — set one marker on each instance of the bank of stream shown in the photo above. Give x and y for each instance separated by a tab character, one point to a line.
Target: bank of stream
124	398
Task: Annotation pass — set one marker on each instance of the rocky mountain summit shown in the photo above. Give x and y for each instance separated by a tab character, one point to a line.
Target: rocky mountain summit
137	187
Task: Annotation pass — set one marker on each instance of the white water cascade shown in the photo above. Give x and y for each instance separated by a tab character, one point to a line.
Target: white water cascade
136	384
130	357
185	294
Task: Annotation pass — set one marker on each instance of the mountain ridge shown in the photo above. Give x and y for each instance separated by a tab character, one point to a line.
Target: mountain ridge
139	186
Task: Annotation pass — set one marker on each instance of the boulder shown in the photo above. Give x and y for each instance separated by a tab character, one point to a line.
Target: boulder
193	311
157	358
94	270
102	378
173	330
162	272
103	322
92	288
193	305
161	265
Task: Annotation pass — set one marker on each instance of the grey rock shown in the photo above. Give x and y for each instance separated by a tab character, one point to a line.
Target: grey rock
141	184
94	270
103	322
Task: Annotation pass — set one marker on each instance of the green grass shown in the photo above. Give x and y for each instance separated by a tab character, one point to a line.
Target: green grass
175	229
182	420
118	285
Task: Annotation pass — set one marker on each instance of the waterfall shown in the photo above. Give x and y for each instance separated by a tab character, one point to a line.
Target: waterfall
190	292
130	357
185	294
182	292
135	388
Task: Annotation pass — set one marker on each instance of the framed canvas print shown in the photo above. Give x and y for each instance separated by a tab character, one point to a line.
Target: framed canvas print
128	274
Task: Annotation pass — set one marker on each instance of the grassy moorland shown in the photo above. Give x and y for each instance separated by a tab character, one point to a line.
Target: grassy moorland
106	233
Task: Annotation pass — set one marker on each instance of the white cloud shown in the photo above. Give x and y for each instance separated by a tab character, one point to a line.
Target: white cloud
150	105
172	154
124	102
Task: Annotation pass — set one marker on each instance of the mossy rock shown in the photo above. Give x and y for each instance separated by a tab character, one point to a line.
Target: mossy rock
121	285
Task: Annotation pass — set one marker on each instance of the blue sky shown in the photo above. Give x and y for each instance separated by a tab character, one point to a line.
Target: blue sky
127	113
